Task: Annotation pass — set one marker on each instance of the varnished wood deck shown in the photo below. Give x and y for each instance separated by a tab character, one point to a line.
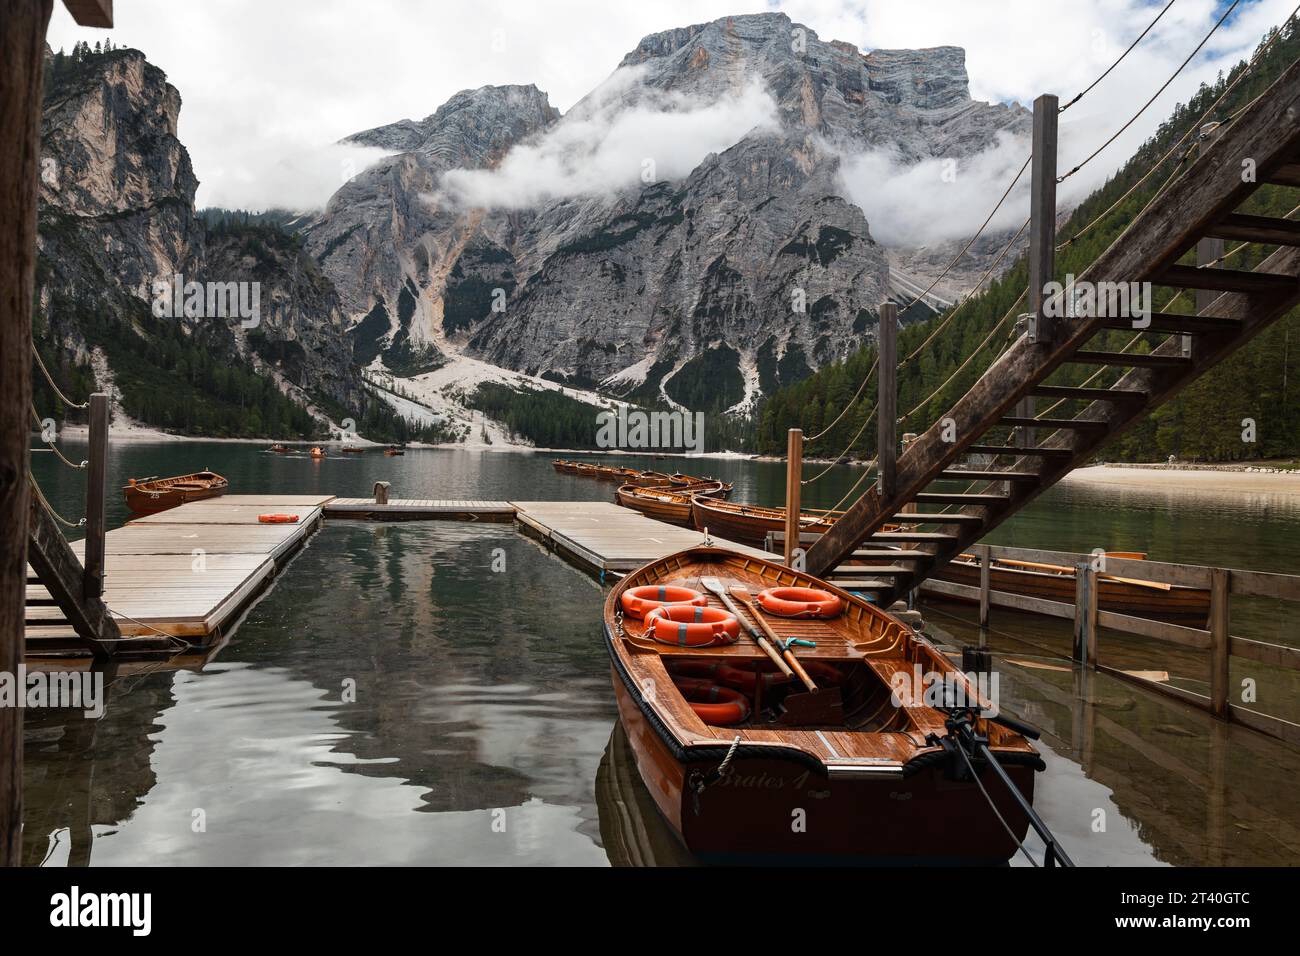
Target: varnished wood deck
602	536
420	509
187	571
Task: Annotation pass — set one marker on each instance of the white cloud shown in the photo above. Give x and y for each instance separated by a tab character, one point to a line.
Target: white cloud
608	146
261	79
302	179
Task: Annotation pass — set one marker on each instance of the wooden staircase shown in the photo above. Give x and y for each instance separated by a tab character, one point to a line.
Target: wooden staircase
1201	203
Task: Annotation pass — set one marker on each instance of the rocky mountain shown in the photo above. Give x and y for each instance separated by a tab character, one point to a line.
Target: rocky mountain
117	216
747	271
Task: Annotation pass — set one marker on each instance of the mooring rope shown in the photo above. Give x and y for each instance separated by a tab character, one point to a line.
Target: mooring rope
49	378
49	507
75	466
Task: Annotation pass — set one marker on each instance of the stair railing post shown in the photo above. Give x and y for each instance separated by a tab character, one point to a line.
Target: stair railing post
1042	218
887	403
793	476
96	493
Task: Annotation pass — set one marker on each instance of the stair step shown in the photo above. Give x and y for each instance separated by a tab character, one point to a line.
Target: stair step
888	554
1075	424
1278	232
1288	174
868	585
945	498
1090	394
1226	280
888	570
1171	322
1134	360
922	517
912	536
954	474
1020	450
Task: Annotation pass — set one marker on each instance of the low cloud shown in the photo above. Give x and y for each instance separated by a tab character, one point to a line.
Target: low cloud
299	179
622	135
923	203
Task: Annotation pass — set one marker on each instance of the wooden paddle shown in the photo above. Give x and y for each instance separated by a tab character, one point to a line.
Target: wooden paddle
742	593
714	586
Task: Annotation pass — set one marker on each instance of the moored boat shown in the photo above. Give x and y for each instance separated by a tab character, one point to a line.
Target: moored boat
744	762
651	479
750	524
393	451
352	449
664	504
150	495
1053	582
278	448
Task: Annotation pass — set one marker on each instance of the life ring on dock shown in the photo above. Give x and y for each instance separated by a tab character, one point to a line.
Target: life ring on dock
800	602
687	625
638	602
278	519
741	678
713	703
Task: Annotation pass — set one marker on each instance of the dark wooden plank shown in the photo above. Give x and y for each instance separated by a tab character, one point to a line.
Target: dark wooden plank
1172	322
1285	174
945	498
91	13
1074	424
964	474
1127	359
1088	394
1225	280
1263	229
1018	450
22	47
96	490
942	517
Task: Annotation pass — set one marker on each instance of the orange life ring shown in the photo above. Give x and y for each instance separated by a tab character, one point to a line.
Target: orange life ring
741	678
713	703
686	625
278	519
800	602
638	602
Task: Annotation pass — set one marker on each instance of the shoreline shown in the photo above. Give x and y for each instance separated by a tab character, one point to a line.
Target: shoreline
1227	480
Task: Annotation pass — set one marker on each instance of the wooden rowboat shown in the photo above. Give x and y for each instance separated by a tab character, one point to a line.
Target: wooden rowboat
662	504
651	479
679	479
150	495
393	451
862	767
1054	582
750	524
353	449
564	466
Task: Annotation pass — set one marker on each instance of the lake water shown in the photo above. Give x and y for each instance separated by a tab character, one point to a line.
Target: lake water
392	700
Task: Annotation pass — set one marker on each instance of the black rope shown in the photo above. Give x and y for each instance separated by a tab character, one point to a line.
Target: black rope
1120	60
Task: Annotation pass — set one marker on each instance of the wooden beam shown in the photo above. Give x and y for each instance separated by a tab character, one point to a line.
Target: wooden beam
793	491
96	488
22	69
63	576
1264	229
91	13
887	403
1220	641
1042	217
1224	280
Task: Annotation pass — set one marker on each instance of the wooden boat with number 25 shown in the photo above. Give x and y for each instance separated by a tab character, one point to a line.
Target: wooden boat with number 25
149	495
744	761
663	504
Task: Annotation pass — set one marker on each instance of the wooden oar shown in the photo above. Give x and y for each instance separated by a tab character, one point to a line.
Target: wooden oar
742	593
714	586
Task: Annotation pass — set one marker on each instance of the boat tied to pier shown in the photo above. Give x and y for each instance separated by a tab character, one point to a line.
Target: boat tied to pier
151	495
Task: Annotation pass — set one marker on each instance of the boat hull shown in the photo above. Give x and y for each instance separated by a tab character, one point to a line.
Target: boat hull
149	498
749	815
745	528
1121	597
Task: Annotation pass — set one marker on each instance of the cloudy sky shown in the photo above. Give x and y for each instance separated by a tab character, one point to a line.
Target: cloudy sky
267	86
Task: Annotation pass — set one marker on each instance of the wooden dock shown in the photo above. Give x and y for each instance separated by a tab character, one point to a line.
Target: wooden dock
603	537
186	572
419	509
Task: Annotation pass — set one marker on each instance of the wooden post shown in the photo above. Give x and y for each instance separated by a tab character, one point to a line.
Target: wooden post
1042	217
1208	249
793	475
985	560
1220	641
96	490
887	404
1085	614
22	47
381	492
